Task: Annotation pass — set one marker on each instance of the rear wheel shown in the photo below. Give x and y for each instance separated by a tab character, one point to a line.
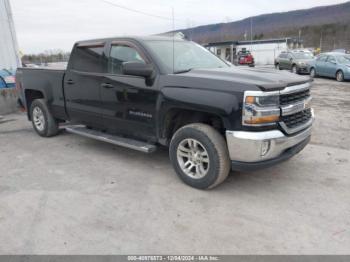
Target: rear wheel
199	156
340	76
43	122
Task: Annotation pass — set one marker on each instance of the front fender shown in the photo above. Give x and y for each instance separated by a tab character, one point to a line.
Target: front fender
221	103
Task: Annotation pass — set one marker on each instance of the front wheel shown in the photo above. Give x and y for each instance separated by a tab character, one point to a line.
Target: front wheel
340	76
294	69
43	122
200	156
313	72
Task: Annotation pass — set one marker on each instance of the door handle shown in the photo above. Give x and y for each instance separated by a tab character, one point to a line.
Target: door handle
107	85
70	82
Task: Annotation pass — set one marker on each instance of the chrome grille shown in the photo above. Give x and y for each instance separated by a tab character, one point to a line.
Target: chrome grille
296	113
287	99
297	119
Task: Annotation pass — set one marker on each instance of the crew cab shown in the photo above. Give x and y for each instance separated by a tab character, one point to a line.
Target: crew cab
146	92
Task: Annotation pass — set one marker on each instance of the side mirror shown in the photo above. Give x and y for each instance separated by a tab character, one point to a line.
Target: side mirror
137	69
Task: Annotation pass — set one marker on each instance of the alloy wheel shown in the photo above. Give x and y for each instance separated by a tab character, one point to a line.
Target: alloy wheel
313	73
193	158
38	119
340	76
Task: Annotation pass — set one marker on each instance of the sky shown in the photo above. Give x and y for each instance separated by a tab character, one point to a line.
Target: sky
56	24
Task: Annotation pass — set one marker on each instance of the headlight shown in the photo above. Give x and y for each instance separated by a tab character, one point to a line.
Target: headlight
301	63
260	110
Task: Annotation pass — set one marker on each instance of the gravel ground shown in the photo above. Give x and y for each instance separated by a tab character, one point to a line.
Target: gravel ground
72	195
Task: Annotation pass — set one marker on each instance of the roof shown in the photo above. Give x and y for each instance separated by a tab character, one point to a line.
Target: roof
136	38
335	53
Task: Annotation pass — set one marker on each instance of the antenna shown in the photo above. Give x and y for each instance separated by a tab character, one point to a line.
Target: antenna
173	14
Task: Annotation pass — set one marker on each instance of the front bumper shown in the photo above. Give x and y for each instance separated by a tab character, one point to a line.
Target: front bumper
303	69
255	150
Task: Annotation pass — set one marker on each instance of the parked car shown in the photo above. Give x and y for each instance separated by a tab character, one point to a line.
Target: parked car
7	79
213	117
335	65
30	65
296	61
244	57
343	51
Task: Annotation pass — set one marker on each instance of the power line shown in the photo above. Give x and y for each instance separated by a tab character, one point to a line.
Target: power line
137	11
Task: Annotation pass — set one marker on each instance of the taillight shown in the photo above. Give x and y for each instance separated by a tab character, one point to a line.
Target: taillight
10	79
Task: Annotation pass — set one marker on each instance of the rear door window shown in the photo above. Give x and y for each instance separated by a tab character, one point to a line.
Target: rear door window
88	58
283	56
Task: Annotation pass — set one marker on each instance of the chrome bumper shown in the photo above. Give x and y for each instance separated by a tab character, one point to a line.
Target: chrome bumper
252	147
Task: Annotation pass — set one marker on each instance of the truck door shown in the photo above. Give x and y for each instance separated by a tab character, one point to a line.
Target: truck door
82	84
128	103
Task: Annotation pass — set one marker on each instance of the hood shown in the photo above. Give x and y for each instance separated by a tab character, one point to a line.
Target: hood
266	79
308	60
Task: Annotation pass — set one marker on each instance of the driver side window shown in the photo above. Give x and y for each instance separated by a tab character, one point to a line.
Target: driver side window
322	58
331	59
121	53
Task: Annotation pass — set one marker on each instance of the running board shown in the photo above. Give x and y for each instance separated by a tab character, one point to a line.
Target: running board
115	140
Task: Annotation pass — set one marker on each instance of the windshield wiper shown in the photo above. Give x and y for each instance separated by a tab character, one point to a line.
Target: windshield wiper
183	71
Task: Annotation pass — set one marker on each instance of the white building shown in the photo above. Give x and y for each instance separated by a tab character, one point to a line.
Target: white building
263	51
9	54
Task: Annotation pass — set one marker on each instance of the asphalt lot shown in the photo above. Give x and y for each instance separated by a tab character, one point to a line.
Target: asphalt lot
72	195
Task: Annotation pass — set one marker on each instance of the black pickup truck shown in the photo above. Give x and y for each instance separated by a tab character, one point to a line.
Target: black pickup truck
146	92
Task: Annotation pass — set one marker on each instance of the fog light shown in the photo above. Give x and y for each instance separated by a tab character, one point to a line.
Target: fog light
265	147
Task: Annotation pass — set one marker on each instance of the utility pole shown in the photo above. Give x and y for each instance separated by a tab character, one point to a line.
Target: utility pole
173	16
251	34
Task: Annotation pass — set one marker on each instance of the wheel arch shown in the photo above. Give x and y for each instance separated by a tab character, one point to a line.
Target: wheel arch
30	96
176	117
339	70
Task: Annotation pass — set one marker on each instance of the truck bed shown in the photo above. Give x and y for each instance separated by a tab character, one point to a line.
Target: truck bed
49	81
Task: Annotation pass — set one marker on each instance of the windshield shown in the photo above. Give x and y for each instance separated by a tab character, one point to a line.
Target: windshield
188	55
304	55
344	59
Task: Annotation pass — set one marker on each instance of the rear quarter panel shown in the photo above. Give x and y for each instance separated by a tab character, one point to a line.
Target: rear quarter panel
49	83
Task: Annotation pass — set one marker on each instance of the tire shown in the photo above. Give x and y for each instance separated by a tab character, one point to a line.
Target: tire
313	73
43	122
294	69
213	165
278	67
339	76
